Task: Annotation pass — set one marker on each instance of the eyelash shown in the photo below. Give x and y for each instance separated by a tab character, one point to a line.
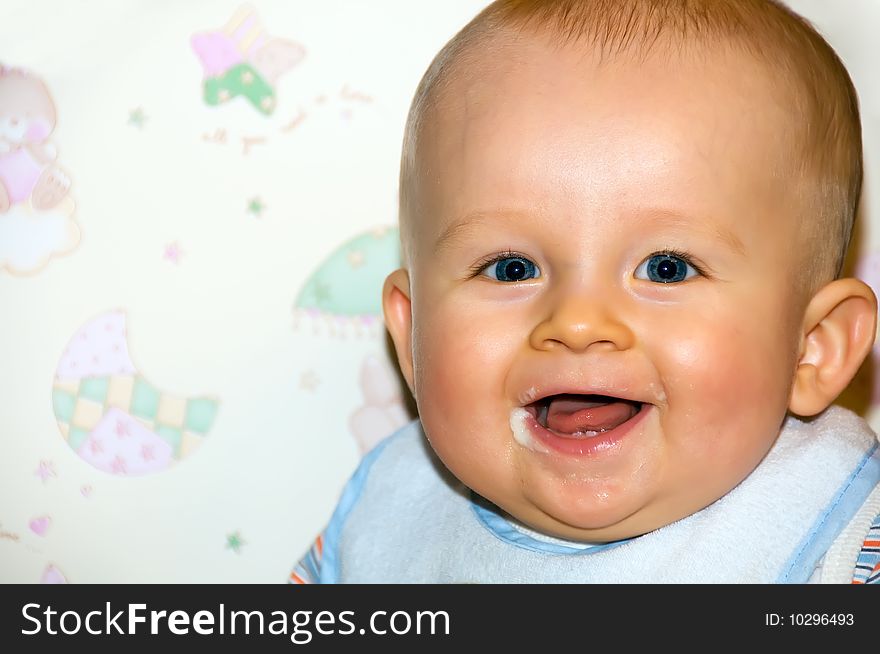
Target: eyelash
481	265
684	256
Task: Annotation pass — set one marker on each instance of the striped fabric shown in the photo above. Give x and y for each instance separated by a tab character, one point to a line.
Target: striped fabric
868	564
308	570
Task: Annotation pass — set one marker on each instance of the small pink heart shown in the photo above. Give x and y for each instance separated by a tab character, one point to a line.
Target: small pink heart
86	491
40	525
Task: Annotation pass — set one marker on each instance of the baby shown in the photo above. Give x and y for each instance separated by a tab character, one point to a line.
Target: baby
620	310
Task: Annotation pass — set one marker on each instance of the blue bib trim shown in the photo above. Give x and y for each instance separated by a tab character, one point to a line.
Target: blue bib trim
330	562
846	504
490	517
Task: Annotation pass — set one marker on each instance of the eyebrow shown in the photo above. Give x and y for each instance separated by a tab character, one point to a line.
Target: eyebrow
459	228
719	232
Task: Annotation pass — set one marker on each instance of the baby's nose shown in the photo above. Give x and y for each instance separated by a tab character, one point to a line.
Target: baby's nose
580	321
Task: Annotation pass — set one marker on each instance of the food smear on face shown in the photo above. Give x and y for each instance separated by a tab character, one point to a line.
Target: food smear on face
521	434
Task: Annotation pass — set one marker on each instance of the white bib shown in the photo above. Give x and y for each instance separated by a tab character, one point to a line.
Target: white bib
403	518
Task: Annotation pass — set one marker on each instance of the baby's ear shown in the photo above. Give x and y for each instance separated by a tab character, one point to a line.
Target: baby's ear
397	306
838	332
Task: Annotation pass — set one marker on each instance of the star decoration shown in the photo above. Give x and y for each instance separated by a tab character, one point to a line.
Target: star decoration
122	429
255	207
173	253
137	118
45	470
309	380
234	541
118	466
242	59
355	258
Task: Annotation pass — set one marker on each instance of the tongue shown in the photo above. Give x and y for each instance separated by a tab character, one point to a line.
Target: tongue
569	414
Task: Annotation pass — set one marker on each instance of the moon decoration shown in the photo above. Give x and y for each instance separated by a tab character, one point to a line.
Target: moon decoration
112	416
343	297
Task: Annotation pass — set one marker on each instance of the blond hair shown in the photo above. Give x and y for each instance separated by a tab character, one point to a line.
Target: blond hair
823	99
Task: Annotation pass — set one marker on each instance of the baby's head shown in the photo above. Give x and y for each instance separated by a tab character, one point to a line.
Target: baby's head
622	224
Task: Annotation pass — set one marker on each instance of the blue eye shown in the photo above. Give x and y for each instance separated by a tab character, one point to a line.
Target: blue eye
511	269
666	268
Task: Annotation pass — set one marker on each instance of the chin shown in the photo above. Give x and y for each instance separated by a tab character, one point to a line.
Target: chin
591	528
593	521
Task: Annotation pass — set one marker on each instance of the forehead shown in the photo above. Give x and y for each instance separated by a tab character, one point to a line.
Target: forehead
537	126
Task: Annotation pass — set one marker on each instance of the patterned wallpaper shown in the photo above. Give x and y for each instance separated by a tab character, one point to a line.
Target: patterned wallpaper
197	212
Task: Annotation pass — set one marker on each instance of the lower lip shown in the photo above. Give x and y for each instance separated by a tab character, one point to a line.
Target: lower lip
586	445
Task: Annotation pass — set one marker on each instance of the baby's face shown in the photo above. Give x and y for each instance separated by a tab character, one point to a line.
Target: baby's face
620	231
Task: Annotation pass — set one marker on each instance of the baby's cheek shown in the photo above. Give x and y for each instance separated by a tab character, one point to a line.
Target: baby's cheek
459	368
734	349
458	348
466	409
730	393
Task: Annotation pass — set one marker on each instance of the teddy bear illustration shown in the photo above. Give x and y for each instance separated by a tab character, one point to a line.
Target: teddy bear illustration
28	170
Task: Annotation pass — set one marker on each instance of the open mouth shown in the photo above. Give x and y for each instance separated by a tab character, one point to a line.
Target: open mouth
576	425
582	416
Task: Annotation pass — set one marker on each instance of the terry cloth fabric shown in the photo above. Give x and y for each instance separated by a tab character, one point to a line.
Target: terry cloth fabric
404	519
